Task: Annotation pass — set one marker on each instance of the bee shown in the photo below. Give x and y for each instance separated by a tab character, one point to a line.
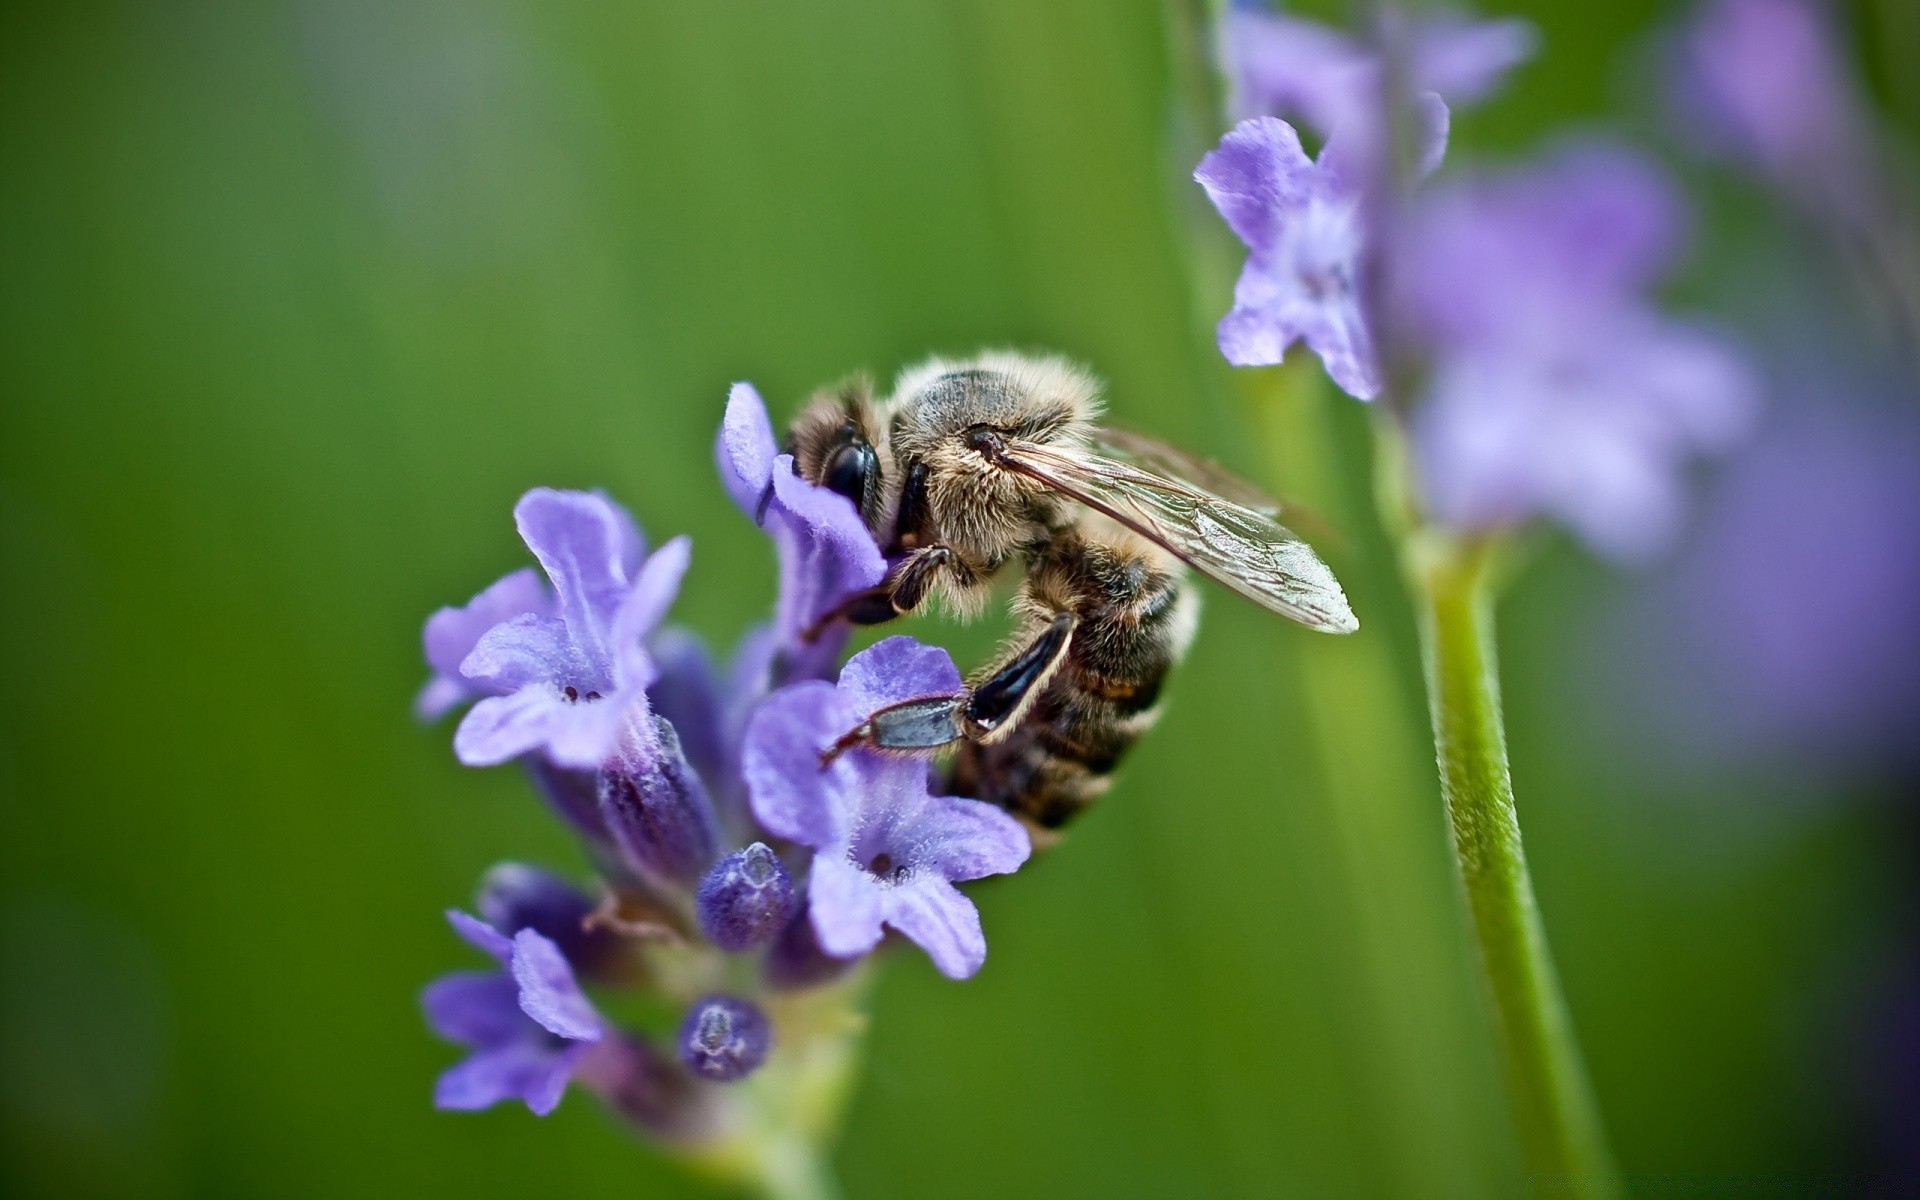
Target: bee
974	464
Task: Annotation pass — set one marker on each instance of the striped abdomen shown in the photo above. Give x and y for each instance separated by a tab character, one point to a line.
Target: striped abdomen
1132	621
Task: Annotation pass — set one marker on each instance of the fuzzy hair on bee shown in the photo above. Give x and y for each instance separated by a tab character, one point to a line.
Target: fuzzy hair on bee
973	464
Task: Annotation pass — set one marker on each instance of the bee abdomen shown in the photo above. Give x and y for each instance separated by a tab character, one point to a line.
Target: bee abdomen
1134	620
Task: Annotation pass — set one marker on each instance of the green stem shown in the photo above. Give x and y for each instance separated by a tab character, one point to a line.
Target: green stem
1554	1108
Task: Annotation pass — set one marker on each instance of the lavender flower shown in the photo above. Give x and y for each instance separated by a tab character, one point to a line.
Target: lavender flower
887	852
562	683
826	552
1303	225
514	896
451	634
1763	81
1281	65
1556	388
745	901
724	1039
528	1025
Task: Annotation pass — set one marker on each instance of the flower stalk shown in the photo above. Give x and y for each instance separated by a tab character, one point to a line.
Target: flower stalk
1554	1109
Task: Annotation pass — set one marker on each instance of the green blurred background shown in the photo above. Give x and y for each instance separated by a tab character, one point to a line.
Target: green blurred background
295	299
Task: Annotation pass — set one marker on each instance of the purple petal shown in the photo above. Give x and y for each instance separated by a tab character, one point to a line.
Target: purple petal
826	554
451	634
574	734
1465	60
966	839
501	728
898	668
746	448
652	595
1255	175
474	1008
792	795
844	905
543	1092
1338	334
548	992
528	649
944	923
517	1071
480	935
589	548
1254	336
438	696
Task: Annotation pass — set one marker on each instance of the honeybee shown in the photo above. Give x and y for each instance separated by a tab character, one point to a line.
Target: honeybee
972	464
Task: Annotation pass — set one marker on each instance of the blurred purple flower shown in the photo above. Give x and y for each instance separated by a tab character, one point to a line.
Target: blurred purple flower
887	852
826	552
1790	628
1764	81
1556	388
1281	65
451	634
1303	226
562	683
528	1025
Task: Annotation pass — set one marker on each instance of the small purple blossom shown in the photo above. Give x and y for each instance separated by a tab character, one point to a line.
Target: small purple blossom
451	634
514	896
562	683
724	1038
1282	65
1305	229
528	1025
746	900
1765	82
826	551
887	851
1556	388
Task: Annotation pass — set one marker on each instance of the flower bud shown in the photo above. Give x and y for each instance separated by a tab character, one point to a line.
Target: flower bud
514	896
724	1038
746	900
655	806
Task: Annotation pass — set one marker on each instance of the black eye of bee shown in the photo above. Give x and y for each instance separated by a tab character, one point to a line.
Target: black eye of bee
853	470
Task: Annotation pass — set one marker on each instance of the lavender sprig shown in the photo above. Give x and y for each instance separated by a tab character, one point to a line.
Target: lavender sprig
740	881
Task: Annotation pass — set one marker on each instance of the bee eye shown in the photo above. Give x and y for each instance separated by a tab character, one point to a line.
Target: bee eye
852	471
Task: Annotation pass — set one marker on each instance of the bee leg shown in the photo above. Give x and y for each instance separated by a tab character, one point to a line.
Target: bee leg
900	592
930	722
1003	697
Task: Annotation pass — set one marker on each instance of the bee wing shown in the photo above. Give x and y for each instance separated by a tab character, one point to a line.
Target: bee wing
1154	456
1228	542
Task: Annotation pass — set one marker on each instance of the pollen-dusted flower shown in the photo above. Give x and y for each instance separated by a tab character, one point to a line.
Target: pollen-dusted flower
563	681
887	851
826	552
451	634
528	1025
1277	64
1305	232
1556	387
